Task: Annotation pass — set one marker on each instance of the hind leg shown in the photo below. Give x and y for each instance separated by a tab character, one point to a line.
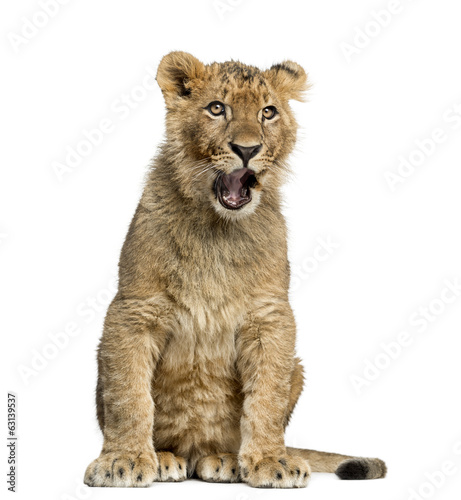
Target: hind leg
221	468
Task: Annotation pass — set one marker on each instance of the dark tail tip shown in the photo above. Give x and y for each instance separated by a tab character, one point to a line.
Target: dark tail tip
353	469
361	468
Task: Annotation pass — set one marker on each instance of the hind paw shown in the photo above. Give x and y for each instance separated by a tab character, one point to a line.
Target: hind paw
276	472
222	468
170	467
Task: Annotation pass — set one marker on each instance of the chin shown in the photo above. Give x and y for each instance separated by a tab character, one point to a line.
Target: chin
235	214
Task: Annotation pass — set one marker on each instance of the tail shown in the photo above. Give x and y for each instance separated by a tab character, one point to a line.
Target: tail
344	466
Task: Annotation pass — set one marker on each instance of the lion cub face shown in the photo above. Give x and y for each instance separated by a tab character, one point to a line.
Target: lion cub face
229	129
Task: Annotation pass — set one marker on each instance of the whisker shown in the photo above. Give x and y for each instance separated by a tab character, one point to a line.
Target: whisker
206	169
200	168
198	164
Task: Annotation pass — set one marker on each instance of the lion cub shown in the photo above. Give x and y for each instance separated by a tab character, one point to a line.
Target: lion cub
197	367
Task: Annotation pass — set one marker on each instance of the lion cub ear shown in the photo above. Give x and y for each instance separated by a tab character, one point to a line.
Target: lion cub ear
176	73
289	79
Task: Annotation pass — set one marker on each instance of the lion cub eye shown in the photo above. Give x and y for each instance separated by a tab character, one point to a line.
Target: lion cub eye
269	112
216	108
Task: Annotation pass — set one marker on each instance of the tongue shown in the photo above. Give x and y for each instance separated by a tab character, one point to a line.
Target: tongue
235	185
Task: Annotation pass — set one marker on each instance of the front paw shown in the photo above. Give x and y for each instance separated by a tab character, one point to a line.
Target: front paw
275	472
122	469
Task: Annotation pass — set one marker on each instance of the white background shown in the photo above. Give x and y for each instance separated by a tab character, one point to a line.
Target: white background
60	240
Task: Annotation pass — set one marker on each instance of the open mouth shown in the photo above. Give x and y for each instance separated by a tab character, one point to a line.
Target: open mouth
234	190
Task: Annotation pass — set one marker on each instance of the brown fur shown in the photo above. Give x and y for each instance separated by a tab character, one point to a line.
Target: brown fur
197	365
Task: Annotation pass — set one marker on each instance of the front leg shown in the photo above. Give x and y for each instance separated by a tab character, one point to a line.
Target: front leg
266	347
133	338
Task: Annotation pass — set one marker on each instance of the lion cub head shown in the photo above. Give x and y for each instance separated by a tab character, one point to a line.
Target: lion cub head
229	129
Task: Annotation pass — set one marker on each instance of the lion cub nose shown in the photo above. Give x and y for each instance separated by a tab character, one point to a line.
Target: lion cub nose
245	152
